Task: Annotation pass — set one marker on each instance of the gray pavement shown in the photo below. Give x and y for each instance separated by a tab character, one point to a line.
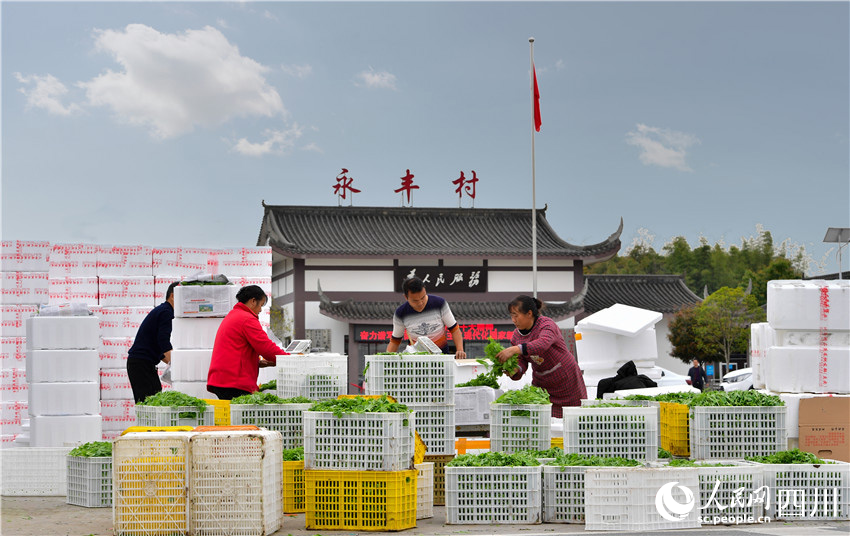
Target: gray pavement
51	516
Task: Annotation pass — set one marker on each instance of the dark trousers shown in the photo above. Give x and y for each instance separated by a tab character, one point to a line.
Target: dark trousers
226	393
143	378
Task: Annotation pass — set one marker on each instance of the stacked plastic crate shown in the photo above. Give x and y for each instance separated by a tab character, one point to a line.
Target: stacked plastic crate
24	266
628	432
317	376
358	471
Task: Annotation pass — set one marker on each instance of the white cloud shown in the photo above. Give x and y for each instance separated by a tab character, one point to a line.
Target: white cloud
46	93
298	71
222	23
662	147
312	148
376	80
269	15
276	142
171	83
560	65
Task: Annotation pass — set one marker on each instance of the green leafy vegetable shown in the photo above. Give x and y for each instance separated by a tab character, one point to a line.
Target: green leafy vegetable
269	386
595	461
527	395
257	399
495	368
94	449
340	407
494	459
664	453
293	455
608	405
681	462
788	456
297	400
554	452
175	399
735	398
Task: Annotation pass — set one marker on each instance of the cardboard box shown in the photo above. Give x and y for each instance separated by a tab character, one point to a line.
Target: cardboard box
825	427
472	404
199	301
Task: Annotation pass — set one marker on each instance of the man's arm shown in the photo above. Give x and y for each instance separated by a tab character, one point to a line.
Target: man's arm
457	337
393	345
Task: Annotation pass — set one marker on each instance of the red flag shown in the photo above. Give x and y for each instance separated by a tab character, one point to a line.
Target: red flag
537	120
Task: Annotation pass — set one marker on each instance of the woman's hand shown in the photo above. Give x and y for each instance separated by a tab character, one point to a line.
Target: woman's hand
508	353
264	363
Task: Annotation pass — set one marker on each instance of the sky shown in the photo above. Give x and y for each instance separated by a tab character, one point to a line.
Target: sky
168	123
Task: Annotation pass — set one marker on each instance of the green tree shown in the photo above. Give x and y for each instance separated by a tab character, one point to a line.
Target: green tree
682	335
723	322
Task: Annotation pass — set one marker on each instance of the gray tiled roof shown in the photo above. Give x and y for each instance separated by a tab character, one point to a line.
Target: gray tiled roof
465	312
660	293
329	230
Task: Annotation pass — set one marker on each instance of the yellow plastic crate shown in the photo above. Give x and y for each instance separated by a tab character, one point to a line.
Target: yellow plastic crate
439	462
293	487
557	442
222	411
675	429
419	450
360	500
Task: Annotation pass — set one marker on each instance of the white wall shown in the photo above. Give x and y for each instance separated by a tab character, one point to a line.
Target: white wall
526	263
522	282
314	319
348	262
349	280
665	360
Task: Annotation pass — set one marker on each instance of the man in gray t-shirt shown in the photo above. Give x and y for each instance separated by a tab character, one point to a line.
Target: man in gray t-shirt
424	316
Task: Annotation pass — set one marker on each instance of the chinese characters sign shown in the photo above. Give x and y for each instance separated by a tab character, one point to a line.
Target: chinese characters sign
407	186
440	279
466	186
343	184
471	332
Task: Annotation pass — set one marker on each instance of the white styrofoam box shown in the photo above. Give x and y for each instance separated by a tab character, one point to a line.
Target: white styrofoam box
198	301
160	286
115	385
13	385
111	435
812	369
13	352
24	256
249	461
196	389
69	289
179	261
621	319
467	369
113	352
190	365
13	317
12	416
264	283
792	410
126	291
493	495
8	441
245	262
67	398
78	260
472	404
762	337
24	288
785	337
118	424
266	374
194	333
808	305
118	409
597	349
63	366
29	471
63	430
265	318
63	332
120	321
124	260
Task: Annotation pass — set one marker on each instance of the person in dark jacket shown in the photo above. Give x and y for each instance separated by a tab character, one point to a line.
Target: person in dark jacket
152	345
626	378
698	376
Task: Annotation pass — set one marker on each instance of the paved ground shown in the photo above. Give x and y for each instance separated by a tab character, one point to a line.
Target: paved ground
51	516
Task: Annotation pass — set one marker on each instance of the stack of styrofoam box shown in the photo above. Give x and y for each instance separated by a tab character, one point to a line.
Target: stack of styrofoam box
425	384
611	337
805	344
24	266
192	341
62	368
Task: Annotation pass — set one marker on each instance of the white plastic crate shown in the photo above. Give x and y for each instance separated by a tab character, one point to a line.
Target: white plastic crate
625	432
493	495
436	426
150	480
287	419
313	377
411	379
32	471
425	490
808	492
89	481
171	416
720	495
236	483
511	431
358	441
563	494
735	432
624	498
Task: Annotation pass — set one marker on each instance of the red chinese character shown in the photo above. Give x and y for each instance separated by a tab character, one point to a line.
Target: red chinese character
343	183
407	185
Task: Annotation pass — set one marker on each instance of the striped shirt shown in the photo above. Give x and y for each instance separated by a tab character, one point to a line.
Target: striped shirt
431	322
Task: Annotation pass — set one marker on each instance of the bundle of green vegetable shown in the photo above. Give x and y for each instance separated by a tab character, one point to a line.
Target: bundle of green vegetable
339	407
676	398
681	462
269	386
293	455
297	400
527	395
788	456
664	453
554	452
257	399
593	461
607	405
495	368
175	399
94	449
494	459
735	398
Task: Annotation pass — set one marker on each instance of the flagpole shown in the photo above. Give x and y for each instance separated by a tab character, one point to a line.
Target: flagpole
533	182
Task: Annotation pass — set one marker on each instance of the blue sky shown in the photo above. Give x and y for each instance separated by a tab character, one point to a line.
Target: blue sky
167	123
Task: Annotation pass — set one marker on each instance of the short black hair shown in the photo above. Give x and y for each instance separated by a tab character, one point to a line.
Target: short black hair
525	304
170	290
412	284
249	292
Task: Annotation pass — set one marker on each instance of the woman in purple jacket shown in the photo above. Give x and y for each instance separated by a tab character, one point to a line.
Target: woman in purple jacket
538	341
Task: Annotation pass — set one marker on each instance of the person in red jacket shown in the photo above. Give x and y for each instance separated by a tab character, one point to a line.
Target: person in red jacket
241	347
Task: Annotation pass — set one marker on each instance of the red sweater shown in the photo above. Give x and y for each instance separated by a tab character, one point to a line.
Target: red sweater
239	343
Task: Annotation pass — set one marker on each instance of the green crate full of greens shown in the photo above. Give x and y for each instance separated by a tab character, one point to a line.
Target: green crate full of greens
89	477
173	408
267	410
